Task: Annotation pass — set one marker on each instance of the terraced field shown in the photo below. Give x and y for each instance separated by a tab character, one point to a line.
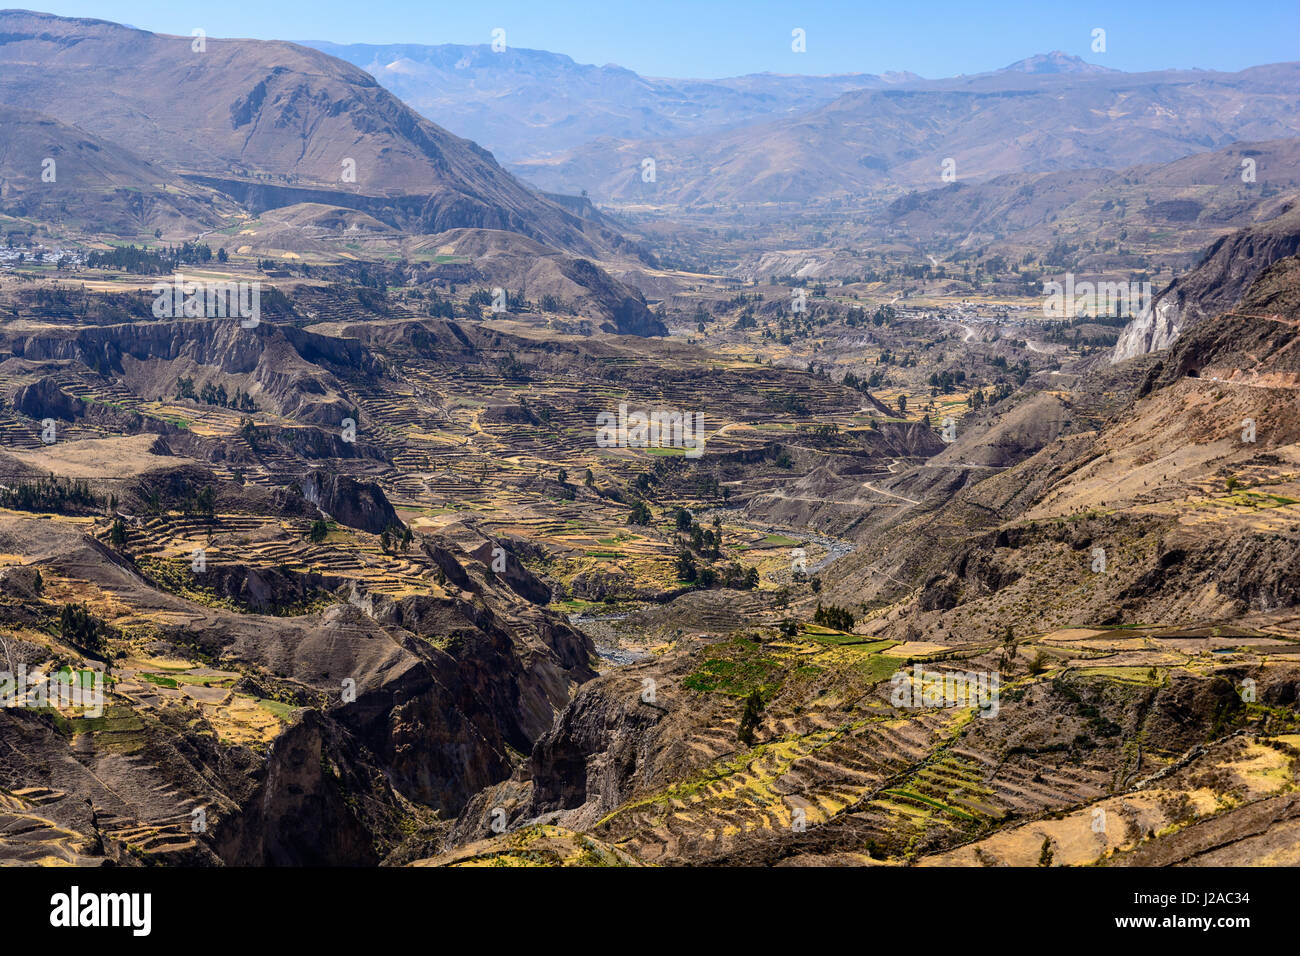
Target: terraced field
750	613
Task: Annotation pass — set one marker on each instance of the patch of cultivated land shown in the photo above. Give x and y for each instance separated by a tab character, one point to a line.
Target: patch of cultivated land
233	568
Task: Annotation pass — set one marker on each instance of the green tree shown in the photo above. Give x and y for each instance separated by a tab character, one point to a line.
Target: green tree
686	569
838	618
683	519
750	718
640	514
80	628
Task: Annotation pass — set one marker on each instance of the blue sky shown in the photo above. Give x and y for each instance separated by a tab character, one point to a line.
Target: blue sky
713	39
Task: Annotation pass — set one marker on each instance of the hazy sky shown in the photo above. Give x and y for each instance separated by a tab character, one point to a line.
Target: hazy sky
712	39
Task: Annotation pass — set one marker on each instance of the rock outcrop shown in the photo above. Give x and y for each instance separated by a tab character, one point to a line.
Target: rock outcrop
357	504
1216	285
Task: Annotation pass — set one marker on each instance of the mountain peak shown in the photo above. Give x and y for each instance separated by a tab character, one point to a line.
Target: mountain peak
1054	62
900	76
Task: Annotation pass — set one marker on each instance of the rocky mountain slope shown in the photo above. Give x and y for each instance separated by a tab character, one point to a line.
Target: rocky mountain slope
256	118
1131	587
518	265
299	738
55	172
1198	196
1217	283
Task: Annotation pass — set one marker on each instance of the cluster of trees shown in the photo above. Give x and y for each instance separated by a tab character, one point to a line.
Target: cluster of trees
703	541
248	432
117	535
513	370
439	308
923	271
868	276
788	329
884	315
741	299
210	395
750	718
698	542
1000	391
834	616
694	539
1060	253
875	380
200	502
707	486
947	381
978	398
395	537
192	501
551	303
788	402
143	261
887	357
49	494
1081	341
515	301
640	514
81	629
674	472
1020	371
732	576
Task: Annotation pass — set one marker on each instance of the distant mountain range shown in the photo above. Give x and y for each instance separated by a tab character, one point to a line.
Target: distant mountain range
1042	150
528	105
872	141
524	104
570	127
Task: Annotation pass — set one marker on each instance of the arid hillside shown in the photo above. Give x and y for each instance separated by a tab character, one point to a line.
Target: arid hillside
790	469
1132	589
269	124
